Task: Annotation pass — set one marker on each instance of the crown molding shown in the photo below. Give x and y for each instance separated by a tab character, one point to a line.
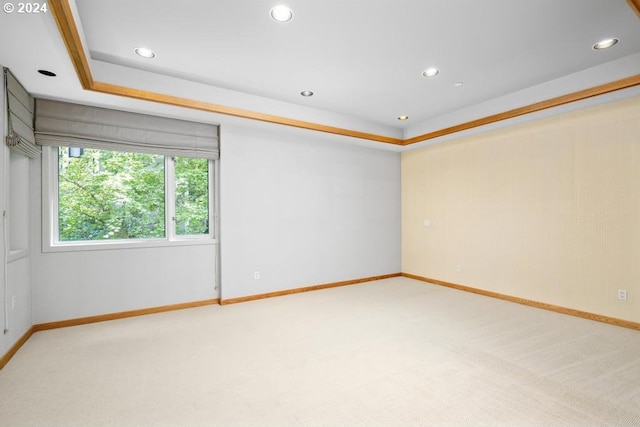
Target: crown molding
65	21
635	5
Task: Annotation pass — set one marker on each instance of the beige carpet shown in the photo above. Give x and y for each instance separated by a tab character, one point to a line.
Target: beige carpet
390	353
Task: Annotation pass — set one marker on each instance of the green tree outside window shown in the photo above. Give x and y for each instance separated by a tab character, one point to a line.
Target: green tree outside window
110	195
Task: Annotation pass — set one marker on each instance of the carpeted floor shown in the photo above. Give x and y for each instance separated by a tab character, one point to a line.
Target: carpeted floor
395	352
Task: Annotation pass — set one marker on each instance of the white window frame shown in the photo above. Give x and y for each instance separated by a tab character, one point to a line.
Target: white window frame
50	229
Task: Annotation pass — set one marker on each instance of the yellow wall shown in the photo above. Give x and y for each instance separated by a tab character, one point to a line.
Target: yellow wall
548	211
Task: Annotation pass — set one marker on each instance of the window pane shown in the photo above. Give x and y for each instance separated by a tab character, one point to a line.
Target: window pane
18	232
106	195
192	196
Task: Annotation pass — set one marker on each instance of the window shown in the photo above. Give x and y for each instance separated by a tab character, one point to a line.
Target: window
18	206
192	196
114	197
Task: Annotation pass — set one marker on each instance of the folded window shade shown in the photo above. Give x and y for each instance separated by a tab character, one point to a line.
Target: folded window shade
20	137
73	125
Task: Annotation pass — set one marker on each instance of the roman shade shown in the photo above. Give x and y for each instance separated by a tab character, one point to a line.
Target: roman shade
64	124
20	137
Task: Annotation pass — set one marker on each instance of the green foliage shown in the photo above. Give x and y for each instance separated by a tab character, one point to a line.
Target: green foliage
192	196
107	195
110	195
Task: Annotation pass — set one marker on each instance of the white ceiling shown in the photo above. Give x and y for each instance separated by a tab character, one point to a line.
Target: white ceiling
363	59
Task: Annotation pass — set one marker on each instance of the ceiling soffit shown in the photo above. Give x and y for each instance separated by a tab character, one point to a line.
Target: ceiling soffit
65	21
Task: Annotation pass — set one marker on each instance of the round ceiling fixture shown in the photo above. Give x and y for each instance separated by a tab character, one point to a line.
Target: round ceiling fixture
144	52
306	93
281	13
47	73
605	44
403	117
430	72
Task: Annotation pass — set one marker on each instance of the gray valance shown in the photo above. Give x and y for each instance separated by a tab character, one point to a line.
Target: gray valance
74	125
20	137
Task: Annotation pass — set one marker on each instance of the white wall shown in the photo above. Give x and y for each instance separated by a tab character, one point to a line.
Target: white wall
296	207
69	285
18	283
303	210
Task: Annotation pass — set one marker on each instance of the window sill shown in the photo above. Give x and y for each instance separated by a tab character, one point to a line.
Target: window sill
133	244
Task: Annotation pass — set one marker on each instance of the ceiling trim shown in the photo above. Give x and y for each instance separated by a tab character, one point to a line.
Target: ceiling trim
69	31
532	108
112	89
65	21
63	16
635	5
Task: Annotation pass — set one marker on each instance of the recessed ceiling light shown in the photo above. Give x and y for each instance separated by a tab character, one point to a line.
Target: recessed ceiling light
306	93
606	43
458	84
430	72
281	13
144	52
47	73
403	117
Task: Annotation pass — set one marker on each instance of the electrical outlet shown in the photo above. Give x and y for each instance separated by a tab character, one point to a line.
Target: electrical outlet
13	303
622	294
256	275
458	268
